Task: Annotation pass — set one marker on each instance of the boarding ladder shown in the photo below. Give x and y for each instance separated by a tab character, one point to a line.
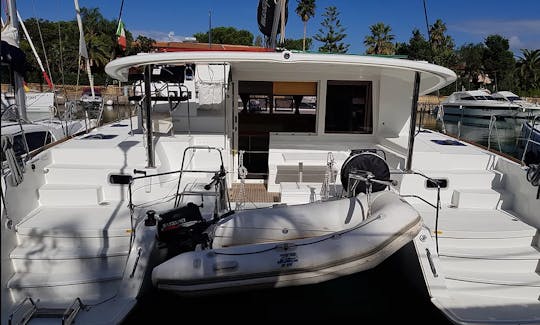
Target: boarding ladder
28	310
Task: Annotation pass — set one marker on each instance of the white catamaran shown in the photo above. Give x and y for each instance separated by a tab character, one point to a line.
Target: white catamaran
338	188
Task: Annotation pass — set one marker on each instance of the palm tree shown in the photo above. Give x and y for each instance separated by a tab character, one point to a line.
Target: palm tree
306	10
380	40
528	68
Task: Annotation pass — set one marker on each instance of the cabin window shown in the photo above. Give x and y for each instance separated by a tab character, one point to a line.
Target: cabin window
349	107
272	106
35	141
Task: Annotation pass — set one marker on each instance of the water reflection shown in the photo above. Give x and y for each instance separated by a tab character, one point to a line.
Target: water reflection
498	134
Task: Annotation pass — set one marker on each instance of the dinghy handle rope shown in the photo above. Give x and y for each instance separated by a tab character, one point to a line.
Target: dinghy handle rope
436	206
286	246
368	178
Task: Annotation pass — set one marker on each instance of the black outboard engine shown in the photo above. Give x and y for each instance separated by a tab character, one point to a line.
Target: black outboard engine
181	229
364	162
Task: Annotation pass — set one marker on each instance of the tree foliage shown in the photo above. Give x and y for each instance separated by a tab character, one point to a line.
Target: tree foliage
332	33
61	41
471	63
418	47
499	61
226	35
297	44
527	71
380	40
442	45
142	44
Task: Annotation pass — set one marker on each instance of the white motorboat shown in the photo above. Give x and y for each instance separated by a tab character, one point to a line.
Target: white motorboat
478	104
39	105
88	97
528	109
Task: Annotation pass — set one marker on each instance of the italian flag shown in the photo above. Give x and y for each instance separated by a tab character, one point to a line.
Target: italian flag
121	33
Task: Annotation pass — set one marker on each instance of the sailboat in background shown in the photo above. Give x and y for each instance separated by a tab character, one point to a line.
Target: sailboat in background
39	104
90	98
31	119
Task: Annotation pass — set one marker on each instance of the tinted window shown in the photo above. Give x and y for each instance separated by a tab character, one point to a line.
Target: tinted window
348	107
37	140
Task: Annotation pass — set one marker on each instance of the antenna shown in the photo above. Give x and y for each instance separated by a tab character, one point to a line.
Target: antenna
427	23
209	28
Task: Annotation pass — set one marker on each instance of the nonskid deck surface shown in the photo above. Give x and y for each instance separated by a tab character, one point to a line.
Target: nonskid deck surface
487	265
476	223
76	243
88	221
481	262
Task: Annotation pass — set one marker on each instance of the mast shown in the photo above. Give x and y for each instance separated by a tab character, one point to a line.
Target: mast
45	75
82	48
20	96
412	125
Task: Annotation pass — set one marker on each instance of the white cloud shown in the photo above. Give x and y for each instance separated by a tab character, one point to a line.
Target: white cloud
503	27
521	34
515	42
159	35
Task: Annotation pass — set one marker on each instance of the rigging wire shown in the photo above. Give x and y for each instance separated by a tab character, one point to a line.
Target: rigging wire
61	55
43	45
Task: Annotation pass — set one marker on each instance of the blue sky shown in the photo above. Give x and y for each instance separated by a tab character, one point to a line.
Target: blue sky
468	21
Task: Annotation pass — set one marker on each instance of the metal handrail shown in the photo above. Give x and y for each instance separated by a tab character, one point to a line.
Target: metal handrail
437	206
533	123
182	170
493	124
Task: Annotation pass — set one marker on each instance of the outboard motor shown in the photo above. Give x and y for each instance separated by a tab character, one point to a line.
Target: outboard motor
181	229
365	162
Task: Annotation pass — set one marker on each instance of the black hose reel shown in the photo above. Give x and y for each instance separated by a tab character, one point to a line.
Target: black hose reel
367	164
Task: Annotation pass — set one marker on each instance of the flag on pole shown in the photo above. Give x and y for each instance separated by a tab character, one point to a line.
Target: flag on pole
121	33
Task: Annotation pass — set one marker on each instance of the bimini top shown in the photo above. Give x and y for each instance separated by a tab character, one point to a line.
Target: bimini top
273	64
